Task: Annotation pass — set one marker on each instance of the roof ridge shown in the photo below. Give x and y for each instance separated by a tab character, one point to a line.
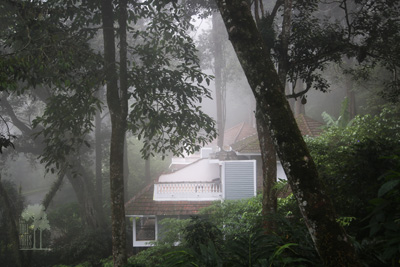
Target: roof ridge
238	133
186	166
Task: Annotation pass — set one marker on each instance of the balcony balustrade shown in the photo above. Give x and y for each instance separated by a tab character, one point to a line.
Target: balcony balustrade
188	191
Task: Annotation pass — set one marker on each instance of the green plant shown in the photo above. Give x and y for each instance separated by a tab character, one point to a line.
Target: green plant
343	120
201	231
352	158
153	256
234	217
173	231
249	249
207	255
384	220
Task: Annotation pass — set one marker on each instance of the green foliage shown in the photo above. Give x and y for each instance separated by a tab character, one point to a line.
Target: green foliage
165	82
362	176
343	120
168	87
379	47
65	136
201	231
345	221
234	217
289	245
74	244
156	255
249	249
206	256
152	256
353	157
66	219
384	220
173	231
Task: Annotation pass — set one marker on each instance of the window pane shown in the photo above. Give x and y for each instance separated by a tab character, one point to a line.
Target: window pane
145	228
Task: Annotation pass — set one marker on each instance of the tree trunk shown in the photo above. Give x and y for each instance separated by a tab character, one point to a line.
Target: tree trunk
218	68
330	239
85	193
13	226
283	59
351	96
117	103
126	169
268	153
268	158
54	188
99	157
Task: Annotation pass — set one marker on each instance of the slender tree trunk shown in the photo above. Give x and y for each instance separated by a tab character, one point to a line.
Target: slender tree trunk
117	103
352	98
218	68
330	239
268	153
99	156
85	193
54	188
283	59
268	157
352	108
126	170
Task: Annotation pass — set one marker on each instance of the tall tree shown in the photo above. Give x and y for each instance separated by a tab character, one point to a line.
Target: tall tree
164	80
117	101
165	111
331	242
220	82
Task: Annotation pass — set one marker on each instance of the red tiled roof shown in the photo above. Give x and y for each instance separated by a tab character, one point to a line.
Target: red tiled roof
236	133
143	204
308	126
251	144
247	145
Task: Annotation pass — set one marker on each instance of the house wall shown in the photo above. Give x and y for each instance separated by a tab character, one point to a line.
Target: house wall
200	171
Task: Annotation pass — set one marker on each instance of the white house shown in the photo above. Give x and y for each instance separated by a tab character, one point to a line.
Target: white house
200	179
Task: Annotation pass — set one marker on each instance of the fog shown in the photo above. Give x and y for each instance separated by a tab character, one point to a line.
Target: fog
31	176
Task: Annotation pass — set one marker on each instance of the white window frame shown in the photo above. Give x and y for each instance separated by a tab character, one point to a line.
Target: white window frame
145	243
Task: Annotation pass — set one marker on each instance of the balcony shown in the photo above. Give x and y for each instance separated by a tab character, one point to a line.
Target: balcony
187	191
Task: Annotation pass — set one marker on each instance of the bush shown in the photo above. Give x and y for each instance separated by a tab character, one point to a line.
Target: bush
73	243
204	244
351	159
384	220
234	217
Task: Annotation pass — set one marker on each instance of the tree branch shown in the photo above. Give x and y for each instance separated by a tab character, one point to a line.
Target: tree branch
17	122
298	94
55	187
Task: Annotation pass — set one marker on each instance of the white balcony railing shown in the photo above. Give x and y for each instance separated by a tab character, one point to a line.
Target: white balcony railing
188	191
